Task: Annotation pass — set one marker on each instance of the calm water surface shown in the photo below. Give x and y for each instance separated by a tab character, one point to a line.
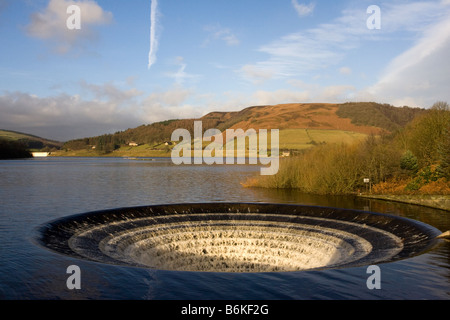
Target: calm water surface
35	191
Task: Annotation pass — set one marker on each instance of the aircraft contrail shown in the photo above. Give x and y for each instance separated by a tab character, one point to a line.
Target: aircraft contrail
153	35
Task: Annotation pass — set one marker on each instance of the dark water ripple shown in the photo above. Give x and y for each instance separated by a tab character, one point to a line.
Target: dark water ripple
38	190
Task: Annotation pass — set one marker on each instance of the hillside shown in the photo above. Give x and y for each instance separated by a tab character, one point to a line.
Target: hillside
31	142
300	125
363	118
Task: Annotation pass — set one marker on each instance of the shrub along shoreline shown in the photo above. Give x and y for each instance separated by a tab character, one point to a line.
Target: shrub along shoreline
412	161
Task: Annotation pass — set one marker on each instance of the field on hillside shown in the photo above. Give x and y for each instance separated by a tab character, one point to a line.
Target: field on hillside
290	140
300	139
11	135
144	150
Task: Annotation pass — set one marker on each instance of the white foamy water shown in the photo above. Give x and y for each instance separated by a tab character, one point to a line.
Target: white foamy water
210	243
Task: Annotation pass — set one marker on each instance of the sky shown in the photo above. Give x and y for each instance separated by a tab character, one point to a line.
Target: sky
115	64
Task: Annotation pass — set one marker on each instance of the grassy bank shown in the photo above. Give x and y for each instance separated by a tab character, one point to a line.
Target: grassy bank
433	201
301	139
291	140
124	151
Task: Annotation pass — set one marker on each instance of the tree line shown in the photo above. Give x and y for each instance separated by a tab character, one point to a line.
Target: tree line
10	149
412	159
379	115
151	134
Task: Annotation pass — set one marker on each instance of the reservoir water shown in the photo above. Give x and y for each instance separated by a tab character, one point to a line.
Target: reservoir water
35	191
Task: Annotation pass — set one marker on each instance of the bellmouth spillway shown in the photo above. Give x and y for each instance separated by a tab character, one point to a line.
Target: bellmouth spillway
237	237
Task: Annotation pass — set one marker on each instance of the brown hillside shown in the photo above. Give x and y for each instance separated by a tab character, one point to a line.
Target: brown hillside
290	116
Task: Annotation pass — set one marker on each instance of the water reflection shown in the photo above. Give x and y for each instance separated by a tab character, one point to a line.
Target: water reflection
38	190
435	217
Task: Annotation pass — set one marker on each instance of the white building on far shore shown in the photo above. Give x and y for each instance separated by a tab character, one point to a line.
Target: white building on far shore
40	154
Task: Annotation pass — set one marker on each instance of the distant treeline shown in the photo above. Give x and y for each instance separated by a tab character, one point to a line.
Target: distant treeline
40	145
374	114
152	134
13	150
413	159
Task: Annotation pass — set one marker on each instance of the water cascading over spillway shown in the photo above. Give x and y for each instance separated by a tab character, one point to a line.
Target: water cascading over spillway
221	237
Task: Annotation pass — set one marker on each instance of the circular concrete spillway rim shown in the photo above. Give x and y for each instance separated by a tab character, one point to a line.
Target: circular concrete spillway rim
273	235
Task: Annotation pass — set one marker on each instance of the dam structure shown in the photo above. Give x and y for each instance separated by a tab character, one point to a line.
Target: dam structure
237	237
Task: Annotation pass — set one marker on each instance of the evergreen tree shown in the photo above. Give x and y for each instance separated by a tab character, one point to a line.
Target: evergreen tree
409	162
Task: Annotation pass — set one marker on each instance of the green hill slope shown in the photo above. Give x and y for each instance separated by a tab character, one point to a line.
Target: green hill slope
31	142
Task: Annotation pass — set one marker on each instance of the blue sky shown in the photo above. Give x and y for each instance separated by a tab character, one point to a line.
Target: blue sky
210	55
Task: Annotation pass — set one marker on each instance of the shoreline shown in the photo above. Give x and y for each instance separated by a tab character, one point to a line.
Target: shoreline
114	154
441	202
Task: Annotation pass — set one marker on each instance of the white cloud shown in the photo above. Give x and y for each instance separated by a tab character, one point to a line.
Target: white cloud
307	93
279	96
336	93
169	104
51	24
172	97
345	71
110	109
107	108
180	76
111	92
220	33
154	33
299	53
410	16
255	74
61	117
303	9
421	75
